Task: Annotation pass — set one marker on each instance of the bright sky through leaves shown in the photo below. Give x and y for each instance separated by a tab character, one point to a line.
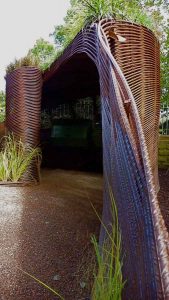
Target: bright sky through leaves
22	22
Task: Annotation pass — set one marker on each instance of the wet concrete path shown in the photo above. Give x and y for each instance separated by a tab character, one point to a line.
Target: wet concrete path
45	230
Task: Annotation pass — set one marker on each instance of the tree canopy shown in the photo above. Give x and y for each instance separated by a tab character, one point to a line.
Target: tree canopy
44	52
2	106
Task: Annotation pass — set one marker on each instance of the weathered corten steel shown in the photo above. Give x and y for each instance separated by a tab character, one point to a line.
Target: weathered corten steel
23	106
139	61
127	59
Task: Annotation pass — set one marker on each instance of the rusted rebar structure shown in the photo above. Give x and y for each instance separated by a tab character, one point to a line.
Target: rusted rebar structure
126	59
23	106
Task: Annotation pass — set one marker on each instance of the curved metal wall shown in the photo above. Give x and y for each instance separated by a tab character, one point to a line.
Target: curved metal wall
139	60
130	95
23	106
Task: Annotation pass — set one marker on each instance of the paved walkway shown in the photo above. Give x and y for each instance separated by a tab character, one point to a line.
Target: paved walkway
45	230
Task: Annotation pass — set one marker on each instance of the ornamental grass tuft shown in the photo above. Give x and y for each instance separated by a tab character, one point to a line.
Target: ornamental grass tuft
15	158
108	283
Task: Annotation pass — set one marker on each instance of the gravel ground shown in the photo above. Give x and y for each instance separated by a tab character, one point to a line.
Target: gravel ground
45	230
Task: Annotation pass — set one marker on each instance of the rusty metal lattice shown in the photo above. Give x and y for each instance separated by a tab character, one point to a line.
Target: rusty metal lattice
23	105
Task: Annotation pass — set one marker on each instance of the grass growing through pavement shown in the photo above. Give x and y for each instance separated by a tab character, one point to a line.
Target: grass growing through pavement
15	158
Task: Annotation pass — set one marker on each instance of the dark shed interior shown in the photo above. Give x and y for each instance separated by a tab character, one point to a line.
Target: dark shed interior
71	133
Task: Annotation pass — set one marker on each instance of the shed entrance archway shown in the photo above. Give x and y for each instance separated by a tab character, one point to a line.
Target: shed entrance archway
71	112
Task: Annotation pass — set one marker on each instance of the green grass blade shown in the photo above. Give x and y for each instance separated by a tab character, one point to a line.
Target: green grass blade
42	283
108	281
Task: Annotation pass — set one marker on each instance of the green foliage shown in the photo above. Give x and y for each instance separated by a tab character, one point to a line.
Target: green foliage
84	12
2	106
74	22
41	55
44	52
29	60
149	13
108	284
15	158
165	66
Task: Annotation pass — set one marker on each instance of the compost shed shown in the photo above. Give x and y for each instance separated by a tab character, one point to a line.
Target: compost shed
120	62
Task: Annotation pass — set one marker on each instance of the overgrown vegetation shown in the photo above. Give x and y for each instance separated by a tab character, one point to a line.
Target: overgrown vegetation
41	55
84	12
29	60
15	158
150	13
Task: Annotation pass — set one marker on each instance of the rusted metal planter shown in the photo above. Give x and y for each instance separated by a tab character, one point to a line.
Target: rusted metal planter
23	103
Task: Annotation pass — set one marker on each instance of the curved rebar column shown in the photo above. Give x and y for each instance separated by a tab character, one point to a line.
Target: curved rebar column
23	106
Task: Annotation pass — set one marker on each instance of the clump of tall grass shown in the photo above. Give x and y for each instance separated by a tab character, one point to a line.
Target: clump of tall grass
87	12
28	61
95	10
108	283
15	158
